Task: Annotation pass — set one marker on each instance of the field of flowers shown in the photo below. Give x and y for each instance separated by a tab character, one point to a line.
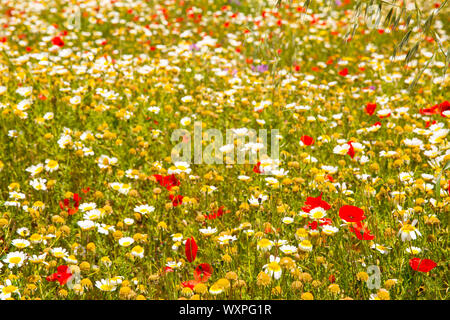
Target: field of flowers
352	204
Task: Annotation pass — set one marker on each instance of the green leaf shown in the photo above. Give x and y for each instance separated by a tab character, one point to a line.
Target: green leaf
417	78
408	20
412	52
404	40
388	17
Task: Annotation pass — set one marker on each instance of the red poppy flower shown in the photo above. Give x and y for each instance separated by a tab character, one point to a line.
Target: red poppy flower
72	211
332	278
62	275
176	200
203	272
66	204
168	269
422	265
436	109
351	150
76	199
312	225
351	213
189	284
167	181
307	140
428	111
191	249
343	72
370	108
312	203
220	212
444	106
361	232
256	168
57	41
429	123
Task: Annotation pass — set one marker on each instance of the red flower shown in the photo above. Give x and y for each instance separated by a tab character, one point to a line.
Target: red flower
361	232
62	275
168	269
203	272
429	123
343	72
312	203
216	214
351	213
256	168
167	181
370	108
176	200
72	211
189	284
312	225
66	204
307	140
444	106
76	199
332	278
436	109
428	111
191	249
422	265
57	41
351	151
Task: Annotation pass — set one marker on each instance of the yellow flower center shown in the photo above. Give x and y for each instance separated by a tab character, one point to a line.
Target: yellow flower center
106	287
274	266
408	228
15	260
52	164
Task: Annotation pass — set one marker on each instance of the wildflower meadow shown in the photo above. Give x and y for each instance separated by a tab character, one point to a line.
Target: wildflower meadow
224	150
